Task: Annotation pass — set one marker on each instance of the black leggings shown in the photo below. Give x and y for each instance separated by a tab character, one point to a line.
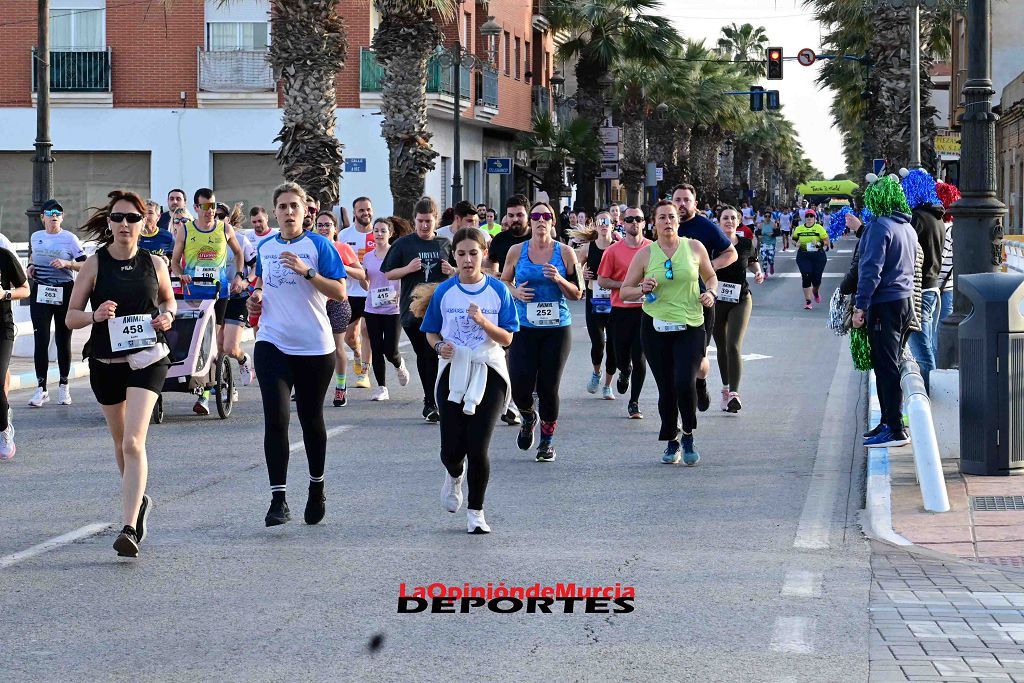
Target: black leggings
536	359
599	329
6	347
42	316
426	359
675	359
469	436
278	373
730	325
628	349
812	266
383	331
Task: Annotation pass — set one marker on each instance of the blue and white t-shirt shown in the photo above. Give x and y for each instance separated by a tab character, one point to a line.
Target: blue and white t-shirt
447	314
49	246
294	317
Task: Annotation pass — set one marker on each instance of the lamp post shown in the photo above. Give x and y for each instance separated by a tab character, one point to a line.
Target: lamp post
977	224
42	162
455	58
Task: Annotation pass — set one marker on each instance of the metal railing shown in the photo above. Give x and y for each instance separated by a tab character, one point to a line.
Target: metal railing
489	78
439	79
76	70
1013	255
235	71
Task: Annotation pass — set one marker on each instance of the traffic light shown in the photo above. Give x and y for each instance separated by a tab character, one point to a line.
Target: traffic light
773	98
756	98
775	64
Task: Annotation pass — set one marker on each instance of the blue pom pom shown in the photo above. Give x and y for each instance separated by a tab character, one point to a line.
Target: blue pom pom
866	216
837	223
919	187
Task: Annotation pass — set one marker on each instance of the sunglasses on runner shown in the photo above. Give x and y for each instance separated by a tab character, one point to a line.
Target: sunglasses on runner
121	217
53	213
632	219
668	270
207	206
181	220
541	216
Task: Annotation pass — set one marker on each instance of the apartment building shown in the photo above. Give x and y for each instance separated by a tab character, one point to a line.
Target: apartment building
154	97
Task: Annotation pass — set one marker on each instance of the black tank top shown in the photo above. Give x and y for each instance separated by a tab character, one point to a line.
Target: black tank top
736	272
133	285
594	254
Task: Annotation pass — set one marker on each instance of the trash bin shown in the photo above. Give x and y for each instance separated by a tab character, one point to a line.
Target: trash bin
992	375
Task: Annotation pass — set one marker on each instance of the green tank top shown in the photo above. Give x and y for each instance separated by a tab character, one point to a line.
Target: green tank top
678	299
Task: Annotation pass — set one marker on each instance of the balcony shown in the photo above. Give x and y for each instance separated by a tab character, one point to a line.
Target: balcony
440	83
541	100
235	78
78	77
486	93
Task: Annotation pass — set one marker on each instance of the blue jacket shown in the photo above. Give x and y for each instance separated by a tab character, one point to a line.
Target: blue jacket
888	249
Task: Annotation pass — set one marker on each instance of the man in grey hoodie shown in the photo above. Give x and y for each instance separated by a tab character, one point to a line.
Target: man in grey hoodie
884	300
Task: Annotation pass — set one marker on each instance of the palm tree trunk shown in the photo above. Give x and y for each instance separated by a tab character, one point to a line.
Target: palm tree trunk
634	159
403	45
307	49
590	106
757	176
705	147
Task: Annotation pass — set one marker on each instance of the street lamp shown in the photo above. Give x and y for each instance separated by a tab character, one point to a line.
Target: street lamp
42	162
455	58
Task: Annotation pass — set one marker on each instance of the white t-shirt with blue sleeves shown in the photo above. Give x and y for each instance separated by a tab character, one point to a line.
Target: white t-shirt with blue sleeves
294	317
447	314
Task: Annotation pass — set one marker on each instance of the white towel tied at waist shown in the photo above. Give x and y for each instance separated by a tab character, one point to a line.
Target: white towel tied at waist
467	379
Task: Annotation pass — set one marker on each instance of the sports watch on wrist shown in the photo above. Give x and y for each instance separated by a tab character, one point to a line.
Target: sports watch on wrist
310	274
7	295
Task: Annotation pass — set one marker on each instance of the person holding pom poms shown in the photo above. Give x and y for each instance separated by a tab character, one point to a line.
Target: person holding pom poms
884	300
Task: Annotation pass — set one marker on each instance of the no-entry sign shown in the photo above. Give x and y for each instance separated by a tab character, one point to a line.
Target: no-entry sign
806	56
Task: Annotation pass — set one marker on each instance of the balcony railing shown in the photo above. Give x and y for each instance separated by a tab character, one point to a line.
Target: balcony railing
76	70
439	79
541	100
489	94
239	71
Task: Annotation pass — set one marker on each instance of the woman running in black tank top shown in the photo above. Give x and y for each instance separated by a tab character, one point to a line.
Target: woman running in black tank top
120	280
598	303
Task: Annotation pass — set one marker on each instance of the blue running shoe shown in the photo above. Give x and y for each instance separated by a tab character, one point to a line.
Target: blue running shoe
671	454
888	438
690	456
595	380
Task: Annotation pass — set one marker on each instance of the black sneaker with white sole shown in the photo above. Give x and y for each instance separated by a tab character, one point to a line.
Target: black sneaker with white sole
526	435
875	431
127	543
545	451
140	521
510	418
634	411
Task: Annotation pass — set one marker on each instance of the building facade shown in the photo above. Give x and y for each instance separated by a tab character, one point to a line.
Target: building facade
153	100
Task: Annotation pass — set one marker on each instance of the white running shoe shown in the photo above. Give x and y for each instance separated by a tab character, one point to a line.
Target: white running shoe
234	394
476	524
380	394
403	373
202	406
64	395
7	448
246	370
451	491
39	398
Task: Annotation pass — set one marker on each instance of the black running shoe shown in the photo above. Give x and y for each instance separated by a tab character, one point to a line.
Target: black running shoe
427	408
278	512
510	418
703	399
634	411
875	431
433	416
622	383
140	521
545	451
316	505
127	543
526	435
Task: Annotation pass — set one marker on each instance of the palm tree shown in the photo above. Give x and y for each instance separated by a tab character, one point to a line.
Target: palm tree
552	145
404	41
745	44
635	87
307	48
599	34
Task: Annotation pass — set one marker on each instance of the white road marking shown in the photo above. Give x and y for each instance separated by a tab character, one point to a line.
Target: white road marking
793	275
816	519
55	542
800	583
793	634
713	353
292	447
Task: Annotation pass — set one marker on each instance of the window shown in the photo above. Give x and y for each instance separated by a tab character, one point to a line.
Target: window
526	65
237	35
77	28
519	58
508	60
467	31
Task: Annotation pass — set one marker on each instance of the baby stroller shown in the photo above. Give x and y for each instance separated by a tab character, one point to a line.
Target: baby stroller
193	343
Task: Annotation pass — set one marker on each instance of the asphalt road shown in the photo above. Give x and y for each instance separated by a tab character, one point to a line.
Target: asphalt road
749	567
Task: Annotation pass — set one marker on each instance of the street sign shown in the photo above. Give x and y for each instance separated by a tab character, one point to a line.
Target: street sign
806	56
353	165
660	174
877	166
609	135
609	170
947	144
610	153
499	165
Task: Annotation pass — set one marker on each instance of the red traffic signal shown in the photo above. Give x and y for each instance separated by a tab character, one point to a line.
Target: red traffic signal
774	63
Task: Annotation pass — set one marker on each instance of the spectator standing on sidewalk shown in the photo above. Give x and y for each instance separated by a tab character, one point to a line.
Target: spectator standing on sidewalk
884	300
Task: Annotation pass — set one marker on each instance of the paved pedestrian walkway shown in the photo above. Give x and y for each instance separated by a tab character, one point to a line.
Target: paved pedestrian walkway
938	618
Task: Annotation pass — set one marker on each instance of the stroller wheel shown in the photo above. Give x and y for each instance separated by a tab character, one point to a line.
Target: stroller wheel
225	387
158	410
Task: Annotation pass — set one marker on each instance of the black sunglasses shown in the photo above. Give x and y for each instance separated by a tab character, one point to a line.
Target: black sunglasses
632	219
121	217
541	216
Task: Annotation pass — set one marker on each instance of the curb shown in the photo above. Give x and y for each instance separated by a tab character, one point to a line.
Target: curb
878	502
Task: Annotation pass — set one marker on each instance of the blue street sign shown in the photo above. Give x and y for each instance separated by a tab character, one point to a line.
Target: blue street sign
355	165
499	165
879	166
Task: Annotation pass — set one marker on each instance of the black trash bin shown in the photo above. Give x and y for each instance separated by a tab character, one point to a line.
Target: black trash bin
992	375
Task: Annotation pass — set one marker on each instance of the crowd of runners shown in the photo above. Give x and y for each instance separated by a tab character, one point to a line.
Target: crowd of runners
481	295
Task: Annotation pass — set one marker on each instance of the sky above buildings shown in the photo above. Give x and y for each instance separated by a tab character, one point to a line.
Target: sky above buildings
791	26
